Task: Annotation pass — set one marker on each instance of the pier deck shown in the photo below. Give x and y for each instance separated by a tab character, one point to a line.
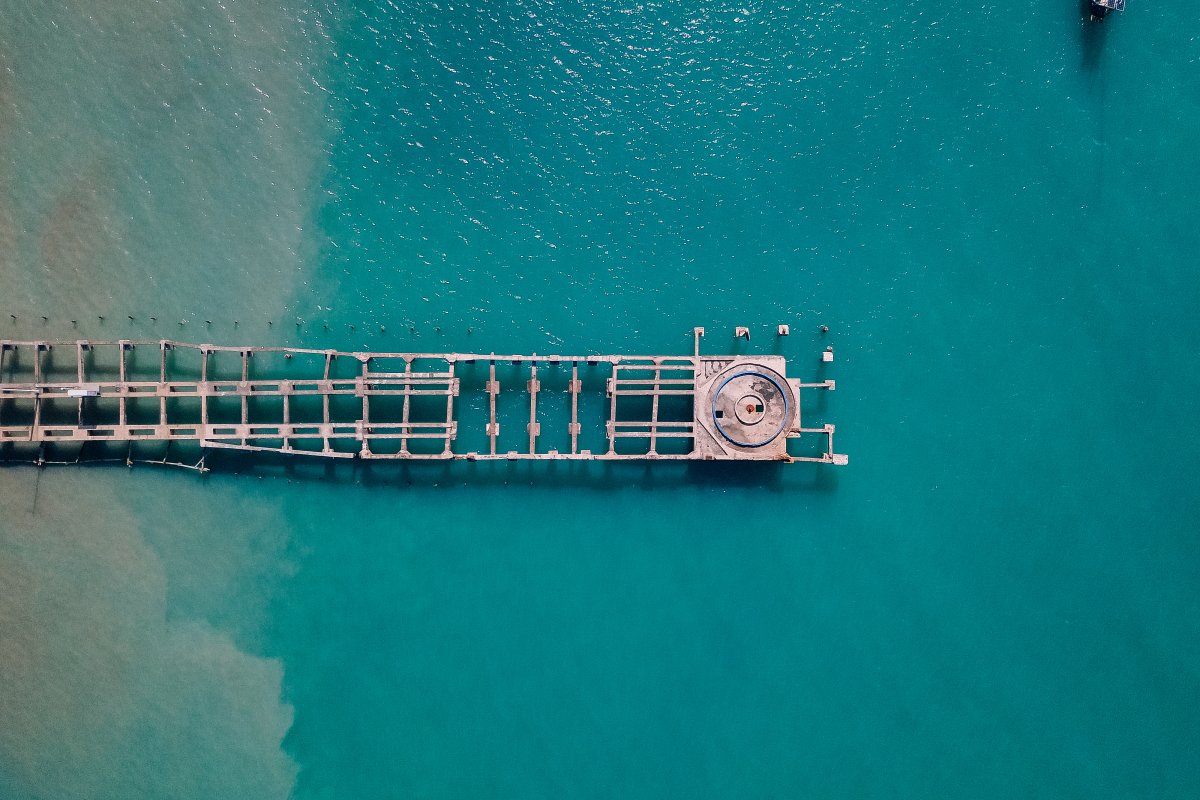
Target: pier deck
405	405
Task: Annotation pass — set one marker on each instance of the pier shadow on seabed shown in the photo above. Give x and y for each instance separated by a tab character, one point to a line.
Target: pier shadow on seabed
601	475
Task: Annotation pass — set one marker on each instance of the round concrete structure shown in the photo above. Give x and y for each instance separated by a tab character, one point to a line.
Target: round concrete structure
751	406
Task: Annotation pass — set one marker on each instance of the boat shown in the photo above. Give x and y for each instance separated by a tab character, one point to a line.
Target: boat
1099	9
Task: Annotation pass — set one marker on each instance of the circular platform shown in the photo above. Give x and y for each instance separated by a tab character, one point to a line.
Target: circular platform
752	406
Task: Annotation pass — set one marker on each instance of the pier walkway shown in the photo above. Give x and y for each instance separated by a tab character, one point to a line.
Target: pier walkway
406	405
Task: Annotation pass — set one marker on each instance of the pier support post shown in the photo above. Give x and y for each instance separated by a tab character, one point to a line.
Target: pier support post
204	392
79	376
575	388
365	421
493	389
654	407
326	388
451	392
124	346
162	383
612	411
244	391
405	428
533	428
37	396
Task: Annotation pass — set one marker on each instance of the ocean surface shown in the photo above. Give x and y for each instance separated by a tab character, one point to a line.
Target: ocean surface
992	208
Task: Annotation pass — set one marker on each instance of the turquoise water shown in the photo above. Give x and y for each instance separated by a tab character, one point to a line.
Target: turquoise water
992	210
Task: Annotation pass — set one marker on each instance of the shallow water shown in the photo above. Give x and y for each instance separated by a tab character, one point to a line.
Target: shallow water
992	213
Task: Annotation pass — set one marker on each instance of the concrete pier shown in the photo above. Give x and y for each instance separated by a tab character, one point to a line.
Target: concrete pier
405	405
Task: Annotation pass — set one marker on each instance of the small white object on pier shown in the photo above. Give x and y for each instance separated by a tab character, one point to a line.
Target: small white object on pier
85	390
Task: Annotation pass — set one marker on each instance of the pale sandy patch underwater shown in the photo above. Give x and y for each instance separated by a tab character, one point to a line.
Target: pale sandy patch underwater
106	692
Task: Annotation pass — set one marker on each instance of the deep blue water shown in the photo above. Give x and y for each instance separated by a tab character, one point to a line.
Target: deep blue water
992	210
